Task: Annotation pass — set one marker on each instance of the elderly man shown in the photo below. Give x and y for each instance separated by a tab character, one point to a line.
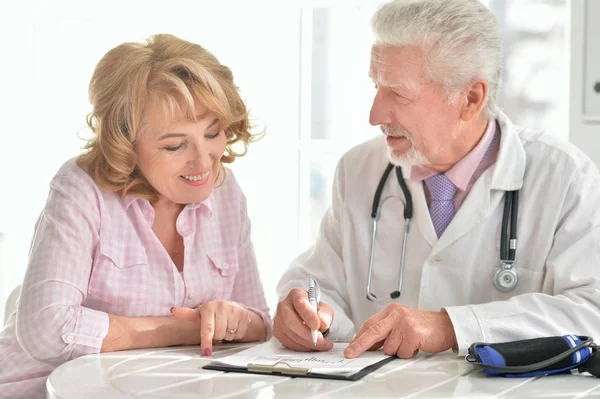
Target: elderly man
472	181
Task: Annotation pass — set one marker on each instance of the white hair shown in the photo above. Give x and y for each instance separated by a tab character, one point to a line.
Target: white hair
459	38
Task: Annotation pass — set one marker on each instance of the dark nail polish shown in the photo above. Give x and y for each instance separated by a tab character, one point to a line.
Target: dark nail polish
171	310
207	352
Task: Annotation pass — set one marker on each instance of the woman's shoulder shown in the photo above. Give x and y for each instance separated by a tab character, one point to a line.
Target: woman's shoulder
74	181
71	171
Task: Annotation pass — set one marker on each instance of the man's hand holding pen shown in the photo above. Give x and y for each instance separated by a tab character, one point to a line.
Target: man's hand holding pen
296	317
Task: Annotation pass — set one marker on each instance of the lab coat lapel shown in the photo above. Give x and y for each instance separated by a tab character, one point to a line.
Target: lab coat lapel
505	175
421	219
473	211
422	215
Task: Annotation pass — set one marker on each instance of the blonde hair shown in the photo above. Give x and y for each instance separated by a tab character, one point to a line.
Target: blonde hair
176	74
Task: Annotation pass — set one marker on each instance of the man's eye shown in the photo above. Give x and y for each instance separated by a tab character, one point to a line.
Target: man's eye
401	96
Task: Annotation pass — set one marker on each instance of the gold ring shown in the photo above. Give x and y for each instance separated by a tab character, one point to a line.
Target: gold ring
230	331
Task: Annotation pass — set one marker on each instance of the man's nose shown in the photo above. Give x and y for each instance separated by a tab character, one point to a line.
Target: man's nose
380	110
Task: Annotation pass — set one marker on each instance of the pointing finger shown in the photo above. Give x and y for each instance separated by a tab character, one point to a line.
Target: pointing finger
376	333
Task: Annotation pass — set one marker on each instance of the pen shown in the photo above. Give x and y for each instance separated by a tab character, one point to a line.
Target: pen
314	293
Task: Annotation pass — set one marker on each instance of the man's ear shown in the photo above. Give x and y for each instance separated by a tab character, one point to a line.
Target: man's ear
475	99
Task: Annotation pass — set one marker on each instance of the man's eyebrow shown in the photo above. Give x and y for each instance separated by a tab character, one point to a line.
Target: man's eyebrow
402	86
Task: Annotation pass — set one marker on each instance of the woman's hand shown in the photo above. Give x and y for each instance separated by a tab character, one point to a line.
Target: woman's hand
221	321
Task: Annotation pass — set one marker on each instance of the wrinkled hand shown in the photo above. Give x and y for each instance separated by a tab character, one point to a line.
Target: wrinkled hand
295	318
403	331
219	321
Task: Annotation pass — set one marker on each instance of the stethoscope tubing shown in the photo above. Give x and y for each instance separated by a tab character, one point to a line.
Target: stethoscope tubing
508	242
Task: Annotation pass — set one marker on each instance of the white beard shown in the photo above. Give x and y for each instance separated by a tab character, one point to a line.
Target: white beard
410	158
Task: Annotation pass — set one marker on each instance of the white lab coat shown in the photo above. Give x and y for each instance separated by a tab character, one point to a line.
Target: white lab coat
558	254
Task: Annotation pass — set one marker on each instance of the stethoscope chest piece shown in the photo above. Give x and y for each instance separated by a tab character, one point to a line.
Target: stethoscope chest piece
505	277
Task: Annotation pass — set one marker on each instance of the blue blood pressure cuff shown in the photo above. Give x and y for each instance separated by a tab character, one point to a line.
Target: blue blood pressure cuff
538	356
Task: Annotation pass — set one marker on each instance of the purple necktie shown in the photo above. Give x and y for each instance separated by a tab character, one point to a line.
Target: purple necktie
441	209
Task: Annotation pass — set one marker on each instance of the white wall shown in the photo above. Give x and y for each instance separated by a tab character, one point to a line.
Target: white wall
585	72
50	48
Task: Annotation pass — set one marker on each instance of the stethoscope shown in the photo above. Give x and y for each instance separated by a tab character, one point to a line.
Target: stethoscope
505	277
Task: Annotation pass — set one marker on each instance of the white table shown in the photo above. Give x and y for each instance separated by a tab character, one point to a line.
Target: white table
177	373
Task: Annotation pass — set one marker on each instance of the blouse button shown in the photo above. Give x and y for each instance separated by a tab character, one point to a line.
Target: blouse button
225	266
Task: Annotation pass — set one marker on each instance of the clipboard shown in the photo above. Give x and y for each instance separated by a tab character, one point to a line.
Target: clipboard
284	369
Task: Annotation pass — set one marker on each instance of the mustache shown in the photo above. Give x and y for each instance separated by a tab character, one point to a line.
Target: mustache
392	131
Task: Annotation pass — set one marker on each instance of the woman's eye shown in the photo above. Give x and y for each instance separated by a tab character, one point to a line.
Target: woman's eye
213	136
174	148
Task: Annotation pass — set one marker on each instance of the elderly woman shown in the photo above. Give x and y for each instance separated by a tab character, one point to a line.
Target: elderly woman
144	240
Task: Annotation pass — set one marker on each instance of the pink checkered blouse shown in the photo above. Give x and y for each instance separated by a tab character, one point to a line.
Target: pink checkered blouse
94	253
